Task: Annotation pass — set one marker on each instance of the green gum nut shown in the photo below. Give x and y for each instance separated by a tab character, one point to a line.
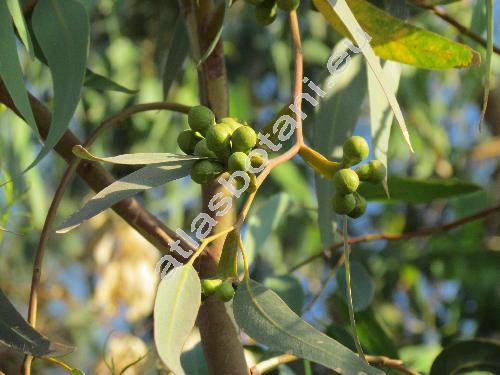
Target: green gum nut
204	171
355	150
359	208
225	291
257	161
378	171
288	5
201	149
219	138
343	204
243	139
187	140
237	162
208	286
265	12
345	181
232	123
201	118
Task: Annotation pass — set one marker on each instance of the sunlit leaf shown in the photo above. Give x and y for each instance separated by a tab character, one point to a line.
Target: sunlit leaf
468	356
130	185
394	39
10	68
268	320
133	159
417	191
17	334
361	285
18	18
176	306
339	11
62	29
177	53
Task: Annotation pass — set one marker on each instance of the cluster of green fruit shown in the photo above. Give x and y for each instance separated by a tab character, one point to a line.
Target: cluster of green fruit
223	289
266	10
346	200
226	145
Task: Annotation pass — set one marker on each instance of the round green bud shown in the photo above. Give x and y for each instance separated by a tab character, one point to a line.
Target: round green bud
225	291
201	118
363	172
201	149
343	204
218	138
345	181
204	171
265	12
231	123
208	286
355	150
359	208
256	161
288	5
378	171
187	140
237	162
243	139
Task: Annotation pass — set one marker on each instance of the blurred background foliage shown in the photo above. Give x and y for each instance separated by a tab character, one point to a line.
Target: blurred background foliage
99	281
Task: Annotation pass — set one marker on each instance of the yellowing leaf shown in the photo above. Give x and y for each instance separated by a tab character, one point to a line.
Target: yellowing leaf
394	39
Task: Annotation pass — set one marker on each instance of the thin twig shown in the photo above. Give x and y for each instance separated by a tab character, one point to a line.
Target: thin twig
402	236
56	200
396	364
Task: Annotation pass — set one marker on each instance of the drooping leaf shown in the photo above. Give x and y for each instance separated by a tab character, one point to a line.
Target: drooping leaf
381	115
417	191
394	39
361	285
133	159
228	263
17	334
62	28
177	53
373	335
268	320
18	18
10	67
289	290
336	118
102	83
215	28
143	179
193	361
468	356
340	15
176	306
489	54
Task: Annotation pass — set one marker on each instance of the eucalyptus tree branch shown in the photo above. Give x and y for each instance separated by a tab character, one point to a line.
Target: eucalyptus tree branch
424	232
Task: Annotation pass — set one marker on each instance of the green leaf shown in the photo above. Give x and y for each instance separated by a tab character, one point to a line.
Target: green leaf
17	334
10	67
62	28
130	185
417	191
335	121
176	306
373	335
133	159
381	115
394	39
467	356
216	27
177	53
339	14
228	263
193	361
361	285
489	54
102	83
268	320
289	289
18	18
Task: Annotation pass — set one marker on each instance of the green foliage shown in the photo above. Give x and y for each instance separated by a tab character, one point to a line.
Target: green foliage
361	284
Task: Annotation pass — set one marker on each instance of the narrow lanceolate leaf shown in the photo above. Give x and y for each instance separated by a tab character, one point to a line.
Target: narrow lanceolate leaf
336	118
61	28
394	39
133	159
268	320
176	306
468	356
489	53
177	53
17	334
18	18
143	179
340	10
381	115
413	190
216	27
10	68
101	83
